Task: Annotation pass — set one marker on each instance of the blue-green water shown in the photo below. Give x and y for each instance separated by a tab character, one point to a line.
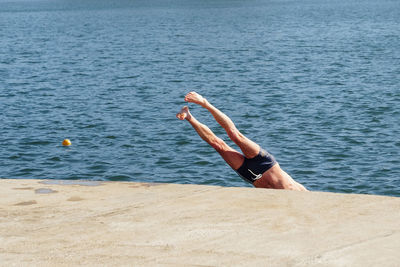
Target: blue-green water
315	82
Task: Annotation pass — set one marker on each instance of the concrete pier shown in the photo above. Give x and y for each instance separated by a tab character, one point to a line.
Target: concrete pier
64	223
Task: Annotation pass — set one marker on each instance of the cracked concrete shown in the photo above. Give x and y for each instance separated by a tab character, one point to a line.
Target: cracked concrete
51	223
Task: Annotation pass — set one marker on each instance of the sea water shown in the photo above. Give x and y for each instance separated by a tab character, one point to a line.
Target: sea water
315	82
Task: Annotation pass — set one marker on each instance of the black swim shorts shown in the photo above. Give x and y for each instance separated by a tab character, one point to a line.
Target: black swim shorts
253	169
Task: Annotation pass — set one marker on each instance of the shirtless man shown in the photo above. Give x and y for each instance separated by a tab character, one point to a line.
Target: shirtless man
256	165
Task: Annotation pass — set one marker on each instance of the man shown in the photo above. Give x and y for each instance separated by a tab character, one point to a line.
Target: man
256	165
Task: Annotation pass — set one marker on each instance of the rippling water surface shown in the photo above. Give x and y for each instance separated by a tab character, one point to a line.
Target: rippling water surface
315	82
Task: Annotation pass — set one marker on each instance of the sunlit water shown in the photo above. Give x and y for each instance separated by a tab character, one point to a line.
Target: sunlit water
314	82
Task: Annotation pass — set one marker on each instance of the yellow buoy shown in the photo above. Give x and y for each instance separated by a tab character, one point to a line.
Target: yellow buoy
66	142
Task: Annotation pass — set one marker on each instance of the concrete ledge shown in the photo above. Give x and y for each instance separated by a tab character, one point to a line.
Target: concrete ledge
43	223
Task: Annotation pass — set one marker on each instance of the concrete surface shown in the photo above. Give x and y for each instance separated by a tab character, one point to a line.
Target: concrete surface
43	223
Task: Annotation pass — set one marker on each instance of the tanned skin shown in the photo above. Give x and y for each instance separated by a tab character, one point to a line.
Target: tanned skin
274	178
